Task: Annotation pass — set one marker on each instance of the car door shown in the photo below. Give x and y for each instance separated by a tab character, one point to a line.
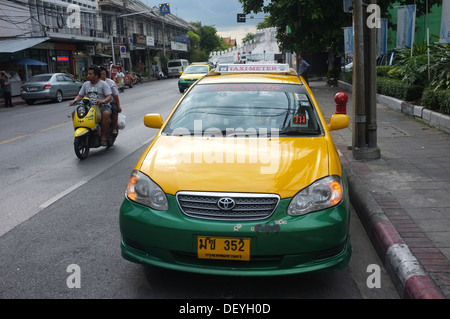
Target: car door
72	87
60	84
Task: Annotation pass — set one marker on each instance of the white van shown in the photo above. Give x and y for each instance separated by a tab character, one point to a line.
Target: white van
174	67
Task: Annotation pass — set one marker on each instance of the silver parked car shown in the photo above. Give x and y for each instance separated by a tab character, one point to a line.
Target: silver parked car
54	86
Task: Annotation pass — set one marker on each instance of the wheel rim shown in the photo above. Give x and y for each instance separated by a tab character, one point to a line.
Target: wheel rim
59	97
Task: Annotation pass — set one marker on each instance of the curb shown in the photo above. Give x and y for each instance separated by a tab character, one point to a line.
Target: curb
405	271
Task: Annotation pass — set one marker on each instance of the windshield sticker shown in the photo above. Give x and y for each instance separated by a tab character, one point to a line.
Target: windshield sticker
301	97
247	87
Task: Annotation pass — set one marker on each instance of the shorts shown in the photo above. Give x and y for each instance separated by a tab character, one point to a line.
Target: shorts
106	107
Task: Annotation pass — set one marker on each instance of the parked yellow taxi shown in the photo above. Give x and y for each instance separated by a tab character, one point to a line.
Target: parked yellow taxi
192	73
242	179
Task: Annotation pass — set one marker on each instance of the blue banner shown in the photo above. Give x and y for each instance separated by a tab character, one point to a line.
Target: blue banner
445	22
348	41
382	34
406	21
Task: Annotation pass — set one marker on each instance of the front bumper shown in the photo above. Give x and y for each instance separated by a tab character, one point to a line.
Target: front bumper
185	84
313	242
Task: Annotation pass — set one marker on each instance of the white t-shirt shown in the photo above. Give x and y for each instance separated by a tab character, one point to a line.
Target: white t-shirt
97	91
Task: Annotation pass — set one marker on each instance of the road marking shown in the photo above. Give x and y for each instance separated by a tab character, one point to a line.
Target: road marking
60	195
11	139
43	130
52	127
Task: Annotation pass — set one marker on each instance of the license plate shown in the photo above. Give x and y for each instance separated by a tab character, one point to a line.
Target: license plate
223	248
32	89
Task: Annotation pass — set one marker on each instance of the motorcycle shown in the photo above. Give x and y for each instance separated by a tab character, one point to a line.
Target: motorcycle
160	74
87	126
137	78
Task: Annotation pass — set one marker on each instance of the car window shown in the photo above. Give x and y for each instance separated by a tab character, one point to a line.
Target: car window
60	78
196	69
40	78
68	78
172	64
245	110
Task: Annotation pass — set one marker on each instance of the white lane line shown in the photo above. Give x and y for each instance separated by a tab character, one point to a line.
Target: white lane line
60	195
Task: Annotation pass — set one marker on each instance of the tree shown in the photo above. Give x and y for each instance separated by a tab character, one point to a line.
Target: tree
205	40
314	26
248	37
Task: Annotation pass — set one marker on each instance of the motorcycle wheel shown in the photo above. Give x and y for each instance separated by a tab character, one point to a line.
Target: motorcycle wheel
81	147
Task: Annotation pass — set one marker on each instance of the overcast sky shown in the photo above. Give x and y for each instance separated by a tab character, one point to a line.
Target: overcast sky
221	14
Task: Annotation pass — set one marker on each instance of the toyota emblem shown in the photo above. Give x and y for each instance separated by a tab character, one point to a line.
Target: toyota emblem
226	203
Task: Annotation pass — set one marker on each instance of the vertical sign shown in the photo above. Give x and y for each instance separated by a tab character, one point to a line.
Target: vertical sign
406	22
348	41
123	51
382	37
445	22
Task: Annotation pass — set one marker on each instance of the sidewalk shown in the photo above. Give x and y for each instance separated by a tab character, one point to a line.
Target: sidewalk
402	198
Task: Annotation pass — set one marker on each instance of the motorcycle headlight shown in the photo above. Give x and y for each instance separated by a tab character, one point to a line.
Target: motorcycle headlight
81	111
141	189
324	193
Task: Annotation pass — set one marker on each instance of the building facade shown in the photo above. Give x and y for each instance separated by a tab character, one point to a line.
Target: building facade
69	35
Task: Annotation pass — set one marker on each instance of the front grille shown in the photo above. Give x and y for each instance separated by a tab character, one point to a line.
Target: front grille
248	206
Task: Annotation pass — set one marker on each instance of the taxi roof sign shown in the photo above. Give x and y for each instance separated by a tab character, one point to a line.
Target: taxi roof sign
255	68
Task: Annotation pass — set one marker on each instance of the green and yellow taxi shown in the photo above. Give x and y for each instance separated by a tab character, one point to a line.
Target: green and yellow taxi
192	73
241	179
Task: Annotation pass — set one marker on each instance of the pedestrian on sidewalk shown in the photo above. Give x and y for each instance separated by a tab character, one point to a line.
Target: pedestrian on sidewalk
6	89
303	68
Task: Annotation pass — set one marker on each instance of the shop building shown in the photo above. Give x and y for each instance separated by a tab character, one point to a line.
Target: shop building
68	35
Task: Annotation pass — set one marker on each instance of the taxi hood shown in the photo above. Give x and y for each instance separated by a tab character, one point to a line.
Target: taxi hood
261	165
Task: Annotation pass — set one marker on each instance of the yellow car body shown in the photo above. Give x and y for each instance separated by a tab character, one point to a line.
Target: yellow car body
191	74
242	178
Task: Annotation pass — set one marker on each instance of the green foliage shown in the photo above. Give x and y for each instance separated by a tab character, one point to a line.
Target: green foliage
438	100
395	72
440	69
399	89
414	68
382	70
248	37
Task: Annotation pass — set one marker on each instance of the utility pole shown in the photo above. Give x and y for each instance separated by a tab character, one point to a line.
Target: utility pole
364	142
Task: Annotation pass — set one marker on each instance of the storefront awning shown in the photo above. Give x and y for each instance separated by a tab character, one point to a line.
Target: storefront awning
14	45
102	55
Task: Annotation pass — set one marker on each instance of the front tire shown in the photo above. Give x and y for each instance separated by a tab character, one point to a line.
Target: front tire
81	147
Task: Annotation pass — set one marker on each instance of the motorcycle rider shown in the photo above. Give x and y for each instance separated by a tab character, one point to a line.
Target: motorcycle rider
100	93
115	104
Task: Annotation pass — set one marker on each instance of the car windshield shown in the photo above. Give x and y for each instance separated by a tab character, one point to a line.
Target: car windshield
40	78
245	110
196	69
172	64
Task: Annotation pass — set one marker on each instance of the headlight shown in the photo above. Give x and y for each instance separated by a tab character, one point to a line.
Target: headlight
143	190
81	111
322	194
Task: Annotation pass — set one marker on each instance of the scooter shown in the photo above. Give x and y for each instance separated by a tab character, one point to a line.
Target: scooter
160	74
88	130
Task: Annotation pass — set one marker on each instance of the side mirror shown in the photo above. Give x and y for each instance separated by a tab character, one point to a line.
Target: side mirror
338	122
153	120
